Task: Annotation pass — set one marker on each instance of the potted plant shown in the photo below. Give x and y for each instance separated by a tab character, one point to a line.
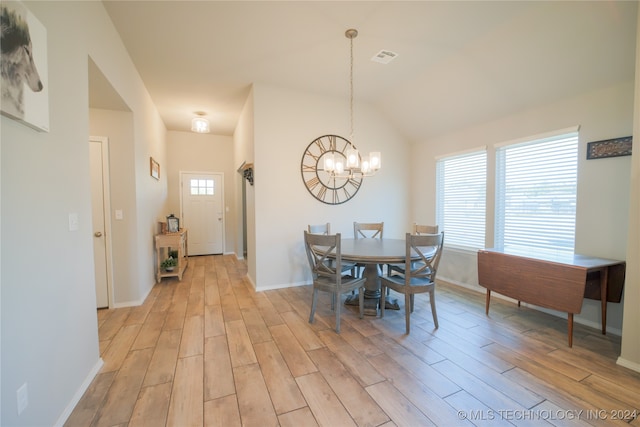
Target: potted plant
169	264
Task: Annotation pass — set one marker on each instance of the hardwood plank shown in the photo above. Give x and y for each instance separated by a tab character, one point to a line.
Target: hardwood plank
120	345
152	406
86	409
302	417
422	371
305	336
282	387
186	407
403	412
293	353
475	411
426	400
257	329
323	402
240	346
192	337
218	373
362	408
163	363
175	316
113	323
150	330
123	393
222	412
356	363
253	397
213	321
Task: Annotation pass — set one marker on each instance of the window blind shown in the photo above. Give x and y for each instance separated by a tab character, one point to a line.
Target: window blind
536	184
461	184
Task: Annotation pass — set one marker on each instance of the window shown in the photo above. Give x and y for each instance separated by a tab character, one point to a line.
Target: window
536	193
461	188
201	187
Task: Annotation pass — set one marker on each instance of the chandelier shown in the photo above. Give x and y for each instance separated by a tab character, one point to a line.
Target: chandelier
349	162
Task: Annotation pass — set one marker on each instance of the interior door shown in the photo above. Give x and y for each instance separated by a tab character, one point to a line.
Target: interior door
98	153
202	212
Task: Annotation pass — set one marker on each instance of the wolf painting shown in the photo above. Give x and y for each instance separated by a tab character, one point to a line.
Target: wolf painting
17	61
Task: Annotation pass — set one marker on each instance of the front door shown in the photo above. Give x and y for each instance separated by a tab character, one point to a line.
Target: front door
202	212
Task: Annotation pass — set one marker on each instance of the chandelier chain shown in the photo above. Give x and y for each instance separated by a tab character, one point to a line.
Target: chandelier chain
351	88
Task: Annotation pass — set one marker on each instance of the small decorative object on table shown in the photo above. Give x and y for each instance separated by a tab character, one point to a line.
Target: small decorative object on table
173	224
169	264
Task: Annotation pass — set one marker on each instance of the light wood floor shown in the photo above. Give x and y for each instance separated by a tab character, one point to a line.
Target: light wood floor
208	350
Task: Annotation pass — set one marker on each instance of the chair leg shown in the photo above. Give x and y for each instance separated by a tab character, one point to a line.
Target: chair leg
412	301
333	301
381	302
432	300
313	305
337	314
361	301
407	309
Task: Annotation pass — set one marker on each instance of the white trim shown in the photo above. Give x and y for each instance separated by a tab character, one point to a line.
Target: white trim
79	393
462	153
538	136
628	364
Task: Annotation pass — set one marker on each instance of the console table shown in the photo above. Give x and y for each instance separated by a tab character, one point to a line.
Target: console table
171	242
550	280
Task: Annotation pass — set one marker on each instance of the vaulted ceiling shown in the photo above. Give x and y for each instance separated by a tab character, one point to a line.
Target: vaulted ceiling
458	63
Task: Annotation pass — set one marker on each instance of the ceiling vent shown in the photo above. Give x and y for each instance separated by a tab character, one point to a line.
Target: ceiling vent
384	56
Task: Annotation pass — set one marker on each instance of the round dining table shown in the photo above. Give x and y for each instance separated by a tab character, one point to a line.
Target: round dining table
373	253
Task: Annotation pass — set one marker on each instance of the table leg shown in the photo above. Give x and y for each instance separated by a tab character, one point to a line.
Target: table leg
604	279
372	293
570	329
486	305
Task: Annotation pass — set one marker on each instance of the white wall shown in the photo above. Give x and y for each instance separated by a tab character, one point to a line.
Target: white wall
193	152
285	123
603	184
630	353
49	326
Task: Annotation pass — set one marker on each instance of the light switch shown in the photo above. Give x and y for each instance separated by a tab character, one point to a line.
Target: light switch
119	214
74	224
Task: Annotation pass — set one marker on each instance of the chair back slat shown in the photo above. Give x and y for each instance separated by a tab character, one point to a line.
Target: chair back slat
320	228
370	230
424	229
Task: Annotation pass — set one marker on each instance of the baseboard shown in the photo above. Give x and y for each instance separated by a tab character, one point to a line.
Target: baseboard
78	395
628	364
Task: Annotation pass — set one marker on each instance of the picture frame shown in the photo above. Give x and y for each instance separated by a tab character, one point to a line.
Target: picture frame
609	148
154	168
25	94
173	224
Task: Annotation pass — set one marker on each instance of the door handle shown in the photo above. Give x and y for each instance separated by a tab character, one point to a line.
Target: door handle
97	234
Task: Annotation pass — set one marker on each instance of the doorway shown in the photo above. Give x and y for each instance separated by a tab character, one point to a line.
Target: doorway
202	196
100	208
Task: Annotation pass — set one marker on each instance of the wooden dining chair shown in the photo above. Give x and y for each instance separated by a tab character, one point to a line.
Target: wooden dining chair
319	228
419	277
327	276
416	229
347	267
367	230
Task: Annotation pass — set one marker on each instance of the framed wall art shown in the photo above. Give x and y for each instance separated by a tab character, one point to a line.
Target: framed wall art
25	85
609	148
155	168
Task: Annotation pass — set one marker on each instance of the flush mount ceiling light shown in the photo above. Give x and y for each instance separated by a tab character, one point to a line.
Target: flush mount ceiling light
199	124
